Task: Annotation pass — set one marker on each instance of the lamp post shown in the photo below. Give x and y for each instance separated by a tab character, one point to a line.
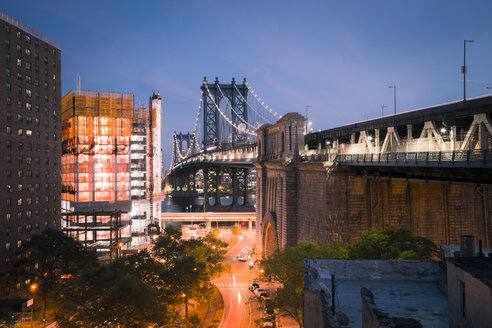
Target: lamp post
394	95
464	69
306	128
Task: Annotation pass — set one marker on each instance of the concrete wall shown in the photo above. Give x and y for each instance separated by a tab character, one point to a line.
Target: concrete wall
478	299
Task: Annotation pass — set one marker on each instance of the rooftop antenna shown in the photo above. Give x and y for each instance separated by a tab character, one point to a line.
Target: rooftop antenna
78	82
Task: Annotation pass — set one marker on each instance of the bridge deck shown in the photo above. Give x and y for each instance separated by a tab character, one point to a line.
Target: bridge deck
208	216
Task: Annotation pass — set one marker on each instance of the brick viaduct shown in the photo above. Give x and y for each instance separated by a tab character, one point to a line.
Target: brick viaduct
300	198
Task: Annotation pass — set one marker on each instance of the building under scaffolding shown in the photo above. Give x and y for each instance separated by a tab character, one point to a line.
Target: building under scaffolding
112	160
96	163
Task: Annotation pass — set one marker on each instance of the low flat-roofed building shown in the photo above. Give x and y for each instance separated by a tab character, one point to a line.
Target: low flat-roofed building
380	291
470	292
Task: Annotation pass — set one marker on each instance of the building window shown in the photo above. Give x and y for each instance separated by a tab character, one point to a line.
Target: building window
19	76
28	79
28	65
9	188
19	103
36	69
7	57
28	92
36	82
19	201
20	174
19	132
9	173
8	144
28	39
19	243
7	43
28	106
20	187
36	55
18	47
29	134
28	52
19	117
7	245
19	62
9	116
7	28
36	42
18	35
8	216
8	72
9	159
8	130
9	101
19	90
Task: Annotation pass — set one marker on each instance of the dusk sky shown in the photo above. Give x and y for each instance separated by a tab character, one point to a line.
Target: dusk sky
337	56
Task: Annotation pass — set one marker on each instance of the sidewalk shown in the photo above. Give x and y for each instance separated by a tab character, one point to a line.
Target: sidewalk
214	311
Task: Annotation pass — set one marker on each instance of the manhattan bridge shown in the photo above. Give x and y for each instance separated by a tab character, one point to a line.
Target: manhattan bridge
218	155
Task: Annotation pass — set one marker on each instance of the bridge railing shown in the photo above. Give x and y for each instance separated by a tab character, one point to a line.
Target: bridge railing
431	158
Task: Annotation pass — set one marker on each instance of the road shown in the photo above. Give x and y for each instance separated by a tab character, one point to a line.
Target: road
240	310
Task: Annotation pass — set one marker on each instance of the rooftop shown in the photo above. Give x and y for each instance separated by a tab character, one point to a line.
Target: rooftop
407	289
29	30
478	267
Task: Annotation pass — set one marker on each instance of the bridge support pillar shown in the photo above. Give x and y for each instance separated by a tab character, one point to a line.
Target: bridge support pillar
250	225
209	224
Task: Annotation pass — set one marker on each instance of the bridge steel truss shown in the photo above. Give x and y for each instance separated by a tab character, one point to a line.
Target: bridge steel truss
237	95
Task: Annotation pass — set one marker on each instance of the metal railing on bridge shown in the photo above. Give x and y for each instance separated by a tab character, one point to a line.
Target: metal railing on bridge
454	158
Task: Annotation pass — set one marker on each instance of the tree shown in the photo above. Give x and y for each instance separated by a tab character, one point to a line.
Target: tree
123	293
392	243
7	317
48	258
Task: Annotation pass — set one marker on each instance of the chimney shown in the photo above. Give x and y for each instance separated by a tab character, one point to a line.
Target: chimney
467	246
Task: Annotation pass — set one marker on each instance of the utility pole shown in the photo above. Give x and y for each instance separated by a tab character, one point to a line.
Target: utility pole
464	69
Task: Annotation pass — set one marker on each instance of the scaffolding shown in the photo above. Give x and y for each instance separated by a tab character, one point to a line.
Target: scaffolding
96	134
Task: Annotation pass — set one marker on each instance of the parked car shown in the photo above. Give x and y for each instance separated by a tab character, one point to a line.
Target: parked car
258	291
242	258
253	286
267	322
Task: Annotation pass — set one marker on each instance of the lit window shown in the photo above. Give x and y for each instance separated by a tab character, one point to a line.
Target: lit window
9	101
19	243
28	39
28	52
8	216
19	62
28	92
18	35
28	133
19	132
7	245
28	105
8	129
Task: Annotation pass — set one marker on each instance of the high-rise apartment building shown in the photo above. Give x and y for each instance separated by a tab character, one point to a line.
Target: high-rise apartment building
30	130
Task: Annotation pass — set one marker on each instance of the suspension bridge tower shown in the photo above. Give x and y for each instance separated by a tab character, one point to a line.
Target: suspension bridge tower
235	96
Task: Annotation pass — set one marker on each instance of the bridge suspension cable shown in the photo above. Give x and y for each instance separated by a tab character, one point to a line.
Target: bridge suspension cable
262	103
251	107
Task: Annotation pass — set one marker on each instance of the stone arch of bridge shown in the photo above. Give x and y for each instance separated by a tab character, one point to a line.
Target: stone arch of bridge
269	234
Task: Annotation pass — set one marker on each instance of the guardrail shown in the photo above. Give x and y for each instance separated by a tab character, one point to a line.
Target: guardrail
480	158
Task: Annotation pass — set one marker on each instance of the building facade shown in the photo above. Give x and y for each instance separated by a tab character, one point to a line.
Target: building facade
31	132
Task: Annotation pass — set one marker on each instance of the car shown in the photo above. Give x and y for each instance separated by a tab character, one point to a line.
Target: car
268	322
242	258
253	286
258	291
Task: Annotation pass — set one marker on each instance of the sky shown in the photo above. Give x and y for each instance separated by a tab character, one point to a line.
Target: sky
339	57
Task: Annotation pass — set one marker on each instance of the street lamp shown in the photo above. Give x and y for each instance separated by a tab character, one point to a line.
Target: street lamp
464	69
394	87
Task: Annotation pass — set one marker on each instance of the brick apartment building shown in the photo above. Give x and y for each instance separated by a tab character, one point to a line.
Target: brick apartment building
30	129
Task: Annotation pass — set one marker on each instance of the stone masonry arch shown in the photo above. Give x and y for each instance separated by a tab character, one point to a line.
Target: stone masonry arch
269	234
